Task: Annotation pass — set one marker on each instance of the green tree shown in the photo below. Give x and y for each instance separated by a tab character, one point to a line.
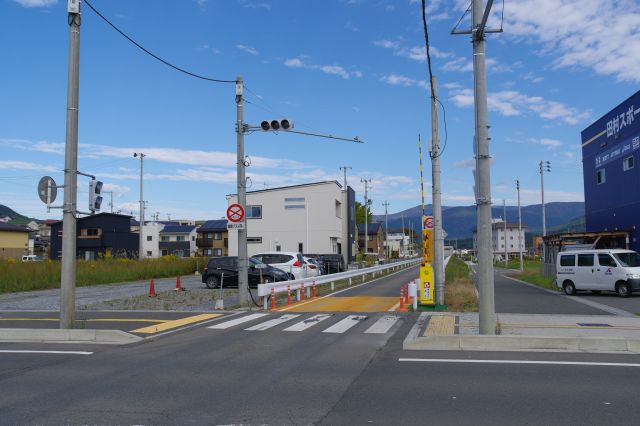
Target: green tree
360	212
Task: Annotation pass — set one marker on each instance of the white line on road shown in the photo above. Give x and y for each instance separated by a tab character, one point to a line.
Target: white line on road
272	323
500	361
309	322
227	324
45	352
383	325
345	324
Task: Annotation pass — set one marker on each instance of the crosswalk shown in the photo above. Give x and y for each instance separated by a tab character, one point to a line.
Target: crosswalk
318	322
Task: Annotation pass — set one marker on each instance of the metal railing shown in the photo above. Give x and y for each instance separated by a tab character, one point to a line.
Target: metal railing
304	283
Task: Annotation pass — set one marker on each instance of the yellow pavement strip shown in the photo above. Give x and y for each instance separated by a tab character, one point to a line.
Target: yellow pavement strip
174	324
613	327
346	304
440	325
89	320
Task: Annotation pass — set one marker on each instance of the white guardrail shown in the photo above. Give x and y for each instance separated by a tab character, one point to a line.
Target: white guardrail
294	285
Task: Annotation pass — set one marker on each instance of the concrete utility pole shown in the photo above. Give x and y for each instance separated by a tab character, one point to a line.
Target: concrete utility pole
366	218
506	253
438	246
519	225
483	167
141	242
402	242
68	266
243	262
545	166
344	170
386	230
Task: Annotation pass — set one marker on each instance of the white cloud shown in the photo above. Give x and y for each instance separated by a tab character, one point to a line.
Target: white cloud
550	143
23	165
532	196
530	76
327	69
416	53
469	163
601	35
248	49
513	103
255	5
202	4
351	27
36	3
401	80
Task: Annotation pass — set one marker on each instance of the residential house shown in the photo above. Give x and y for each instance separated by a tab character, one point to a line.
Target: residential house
178	240
213	238
102	234
375	238
14	241
505	239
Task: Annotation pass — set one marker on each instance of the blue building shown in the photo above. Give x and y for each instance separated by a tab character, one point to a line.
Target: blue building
610	149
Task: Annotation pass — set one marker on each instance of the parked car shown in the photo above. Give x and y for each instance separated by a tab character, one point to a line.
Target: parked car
213	276
333	263
31	258
313	266
598	270
291	262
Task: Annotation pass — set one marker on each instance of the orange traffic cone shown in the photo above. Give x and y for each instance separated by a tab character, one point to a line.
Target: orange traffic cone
288	295
406	294
273	299
178	286
401	300
302	292
152	289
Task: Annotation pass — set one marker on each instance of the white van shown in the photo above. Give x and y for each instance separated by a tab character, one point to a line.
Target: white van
598	270
31	258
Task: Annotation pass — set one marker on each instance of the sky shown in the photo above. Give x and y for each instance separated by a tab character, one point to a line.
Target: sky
341	67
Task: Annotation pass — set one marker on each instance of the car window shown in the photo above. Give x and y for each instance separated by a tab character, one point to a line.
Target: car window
585	259
568	260
628	259
606	260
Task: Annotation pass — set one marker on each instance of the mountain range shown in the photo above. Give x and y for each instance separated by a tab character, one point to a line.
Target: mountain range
459	222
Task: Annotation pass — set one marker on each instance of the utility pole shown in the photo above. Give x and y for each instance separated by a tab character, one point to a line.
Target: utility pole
519	225
386	230
545	166
402	243
111	202
68	267
243	265
141	242
366	215
486	302
344	170
506	253
438	246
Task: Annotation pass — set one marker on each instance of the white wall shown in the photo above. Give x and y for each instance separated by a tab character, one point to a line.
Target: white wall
152	230
314	225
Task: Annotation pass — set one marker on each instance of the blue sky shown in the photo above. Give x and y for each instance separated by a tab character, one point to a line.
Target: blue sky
344	67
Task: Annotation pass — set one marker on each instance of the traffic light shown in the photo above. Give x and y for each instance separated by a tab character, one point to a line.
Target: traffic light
95	200
276	125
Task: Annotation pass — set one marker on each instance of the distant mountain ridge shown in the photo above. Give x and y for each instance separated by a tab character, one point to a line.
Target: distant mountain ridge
460	221
16	218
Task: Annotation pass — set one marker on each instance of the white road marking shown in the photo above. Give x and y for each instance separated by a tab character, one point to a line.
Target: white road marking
345	324
45	352
241	320
500	361
382	325
309	322
272	323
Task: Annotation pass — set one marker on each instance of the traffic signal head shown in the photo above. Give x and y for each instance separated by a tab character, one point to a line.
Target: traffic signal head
95	200
276	125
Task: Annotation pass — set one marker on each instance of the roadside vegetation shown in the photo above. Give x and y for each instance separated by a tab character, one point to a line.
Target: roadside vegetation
532	272
459	292
25	276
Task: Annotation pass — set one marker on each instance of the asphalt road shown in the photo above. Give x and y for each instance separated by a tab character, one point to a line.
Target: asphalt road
388	286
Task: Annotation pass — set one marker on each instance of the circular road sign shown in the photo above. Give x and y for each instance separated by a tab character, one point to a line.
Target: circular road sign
235	213
43	186
428	222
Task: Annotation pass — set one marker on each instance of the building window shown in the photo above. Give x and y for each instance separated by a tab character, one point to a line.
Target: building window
180	238
254	240
207	236
165	252
300	247
294	200
207	252
217	235
216	252
193	238
164	238
149	238
627	163
338	209
600	177
149	253
90	232
254	212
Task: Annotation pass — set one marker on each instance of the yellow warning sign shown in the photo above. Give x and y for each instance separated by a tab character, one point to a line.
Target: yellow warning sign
427	245
426	285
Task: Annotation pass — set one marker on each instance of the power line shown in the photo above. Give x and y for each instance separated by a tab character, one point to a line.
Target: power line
426	39
215	80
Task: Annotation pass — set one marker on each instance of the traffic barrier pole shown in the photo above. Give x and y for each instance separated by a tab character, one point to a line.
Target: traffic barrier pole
314	289
401	300
273	299
406	294
152	289
288	295
302	292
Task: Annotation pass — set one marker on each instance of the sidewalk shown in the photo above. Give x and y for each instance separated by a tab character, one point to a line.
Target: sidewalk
526	332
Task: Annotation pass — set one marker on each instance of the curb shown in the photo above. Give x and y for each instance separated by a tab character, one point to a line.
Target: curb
524	343
39	335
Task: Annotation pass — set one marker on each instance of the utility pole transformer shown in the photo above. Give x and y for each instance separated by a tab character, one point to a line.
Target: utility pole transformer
243	262
68	266
436	192
519	225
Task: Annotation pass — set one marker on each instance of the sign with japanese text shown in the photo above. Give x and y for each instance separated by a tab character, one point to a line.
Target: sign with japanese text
427	245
